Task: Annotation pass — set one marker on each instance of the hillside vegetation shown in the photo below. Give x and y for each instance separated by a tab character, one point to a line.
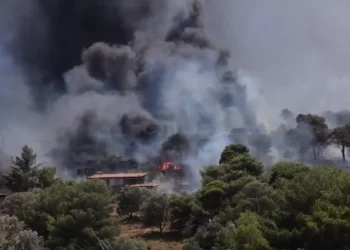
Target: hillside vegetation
239	206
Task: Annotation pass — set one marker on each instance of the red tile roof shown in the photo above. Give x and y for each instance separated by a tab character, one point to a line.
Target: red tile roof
117	176
145	185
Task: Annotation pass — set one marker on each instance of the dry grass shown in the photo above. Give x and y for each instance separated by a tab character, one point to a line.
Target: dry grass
168	240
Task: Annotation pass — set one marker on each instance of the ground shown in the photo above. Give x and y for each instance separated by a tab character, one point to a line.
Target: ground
167	241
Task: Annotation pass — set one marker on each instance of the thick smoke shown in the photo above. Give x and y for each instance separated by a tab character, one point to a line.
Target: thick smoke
298	50
83	81
117	78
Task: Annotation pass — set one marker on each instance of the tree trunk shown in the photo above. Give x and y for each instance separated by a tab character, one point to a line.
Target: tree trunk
343	153
130	215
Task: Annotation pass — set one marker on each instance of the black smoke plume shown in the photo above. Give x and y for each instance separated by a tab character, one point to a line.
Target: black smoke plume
91	83
117	78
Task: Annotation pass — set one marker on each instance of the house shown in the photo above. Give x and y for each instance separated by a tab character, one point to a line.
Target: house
120	179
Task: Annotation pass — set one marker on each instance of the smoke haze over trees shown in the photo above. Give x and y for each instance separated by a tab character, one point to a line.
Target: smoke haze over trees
88	82
245	105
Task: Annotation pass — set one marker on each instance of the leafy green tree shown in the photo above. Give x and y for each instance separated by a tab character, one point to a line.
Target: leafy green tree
293	206
235	186
45	177
222	183
282	171
73	215
257	197
222	172
22	175
248	235
156	211
205	237
247	164
212	173
130	200
186	214
25	174
212	196
17	204
245	233
14	236
326	225
239	166
225	238
232	151
301	194
340	136
305	189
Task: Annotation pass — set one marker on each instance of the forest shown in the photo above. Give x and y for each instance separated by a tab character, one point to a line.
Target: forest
241	204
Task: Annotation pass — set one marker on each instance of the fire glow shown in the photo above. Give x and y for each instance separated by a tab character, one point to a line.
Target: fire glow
166	166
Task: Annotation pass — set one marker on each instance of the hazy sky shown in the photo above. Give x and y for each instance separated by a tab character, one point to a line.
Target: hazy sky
297	50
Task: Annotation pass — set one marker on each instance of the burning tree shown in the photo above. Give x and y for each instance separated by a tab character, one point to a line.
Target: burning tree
174	150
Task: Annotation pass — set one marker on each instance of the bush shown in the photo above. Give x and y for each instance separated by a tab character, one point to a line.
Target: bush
14	236
73	214
130	200
17	204
156	211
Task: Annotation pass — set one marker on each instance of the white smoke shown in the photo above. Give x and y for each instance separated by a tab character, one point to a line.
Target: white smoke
18	122
299	50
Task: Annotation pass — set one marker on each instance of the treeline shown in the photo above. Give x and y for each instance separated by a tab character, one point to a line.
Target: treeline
302	137
44	212
240	205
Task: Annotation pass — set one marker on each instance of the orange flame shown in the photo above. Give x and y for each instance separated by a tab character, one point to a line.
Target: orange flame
169	166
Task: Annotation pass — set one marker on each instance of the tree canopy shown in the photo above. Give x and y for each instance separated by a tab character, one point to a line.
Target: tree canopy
240	204
25	173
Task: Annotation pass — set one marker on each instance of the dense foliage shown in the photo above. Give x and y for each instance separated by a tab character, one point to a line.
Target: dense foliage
292	207
14	236
241	203
25	173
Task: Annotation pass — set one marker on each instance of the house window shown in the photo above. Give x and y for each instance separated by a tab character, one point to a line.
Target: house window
108	182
